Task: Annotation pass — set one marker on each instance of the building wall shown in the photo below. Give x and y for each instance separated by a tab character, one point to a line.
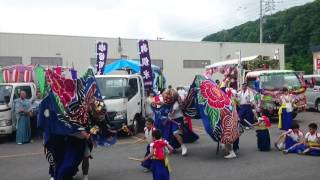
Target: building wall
79	50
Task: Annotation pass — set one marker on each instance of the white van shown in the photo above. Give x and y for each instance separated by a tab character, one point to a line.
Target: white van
124	97
313	91
8	93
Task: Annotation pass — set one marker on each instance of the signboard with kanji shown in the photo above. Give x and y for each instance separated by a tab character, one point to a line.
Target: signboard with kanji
102	49
145	61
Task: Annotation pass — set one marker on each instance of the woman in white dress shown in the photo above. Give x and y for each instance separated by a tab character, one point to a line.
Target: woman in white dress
285	120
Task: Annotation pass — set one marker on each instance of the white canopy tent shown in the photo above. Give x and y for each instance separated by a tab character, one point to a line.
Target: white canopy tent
232	62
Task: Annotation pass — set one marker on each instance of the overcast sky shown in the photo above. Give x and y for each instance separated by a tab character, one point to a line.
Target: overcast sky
147	19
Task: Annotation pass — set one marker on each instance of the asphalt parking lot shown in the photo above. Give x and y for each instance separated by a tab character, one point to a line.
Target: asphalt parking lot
27	161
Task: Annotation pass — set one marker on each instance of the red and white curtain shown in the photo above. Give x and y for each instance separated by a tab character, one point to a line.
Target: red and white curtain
17	73
27	76
6	75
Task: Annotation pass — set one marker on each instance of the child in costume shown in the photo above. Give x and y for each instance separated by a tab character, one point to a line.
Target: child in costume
177	120
289	138
174	130
246	102
312	141
149	128
311	144
263	135
159	166
149	101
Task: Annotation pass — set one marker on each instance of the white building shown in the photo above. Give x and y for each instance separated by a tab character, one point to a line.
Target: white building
180	60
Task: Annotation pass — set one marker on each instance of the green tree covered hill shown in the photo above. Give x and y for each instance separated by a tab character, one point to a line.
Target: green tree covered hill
298	28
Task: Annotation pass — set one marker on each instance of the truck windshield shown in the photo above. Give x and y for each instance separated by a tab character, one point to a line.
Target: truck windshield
112	87
280	80
5	90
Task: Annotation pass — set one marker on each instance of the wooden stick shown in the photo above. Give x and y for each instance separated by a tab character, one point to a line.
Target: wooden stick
135	159
251	125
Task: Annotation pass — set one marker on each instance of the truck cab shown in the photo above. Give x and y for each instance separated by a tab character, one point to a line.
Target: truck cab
124	98
8	93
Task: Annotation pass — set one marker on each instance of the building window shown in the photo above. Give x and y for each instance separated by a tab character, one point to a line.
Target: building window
157	62
93	61
195	63
10	60
53	61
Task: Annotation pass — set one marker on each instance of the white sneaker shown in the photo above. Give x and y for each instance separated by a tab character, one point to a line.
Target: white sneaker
51	178
85	177
184	150
281	146
231	155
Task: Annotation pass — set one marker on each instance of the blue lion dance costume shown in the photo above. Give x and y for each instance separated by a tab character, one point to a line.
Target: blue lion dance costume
63	120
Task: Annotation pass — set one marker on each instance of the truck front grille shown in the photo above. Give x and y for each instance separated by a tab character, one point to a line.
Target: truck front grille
111	115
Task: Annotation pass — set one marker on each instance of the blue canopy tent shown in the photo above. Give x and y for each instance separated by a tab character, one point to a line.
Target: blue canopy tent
127	64
133	65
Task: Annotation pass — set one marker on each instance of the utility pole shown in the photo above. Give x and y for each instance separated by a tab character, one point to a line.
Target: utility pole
261	23
240	81
265	7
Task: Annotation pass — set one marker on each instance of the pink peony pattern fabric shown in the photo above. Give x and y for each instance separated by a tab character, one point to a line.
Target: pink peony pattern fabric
219	116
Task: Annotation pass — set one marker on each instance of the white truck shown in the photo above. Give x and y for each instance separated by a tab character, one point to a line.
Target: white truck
8	93
124	97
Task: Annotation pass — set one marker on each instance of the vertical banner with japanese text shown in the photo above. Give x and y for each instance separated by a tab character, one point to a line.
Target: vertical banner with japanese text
145	61
102	49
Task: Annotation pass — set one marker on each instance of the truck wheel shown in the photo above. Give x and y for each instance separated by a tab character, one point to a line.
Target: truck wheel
12	137
318	105
142	122
135	126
